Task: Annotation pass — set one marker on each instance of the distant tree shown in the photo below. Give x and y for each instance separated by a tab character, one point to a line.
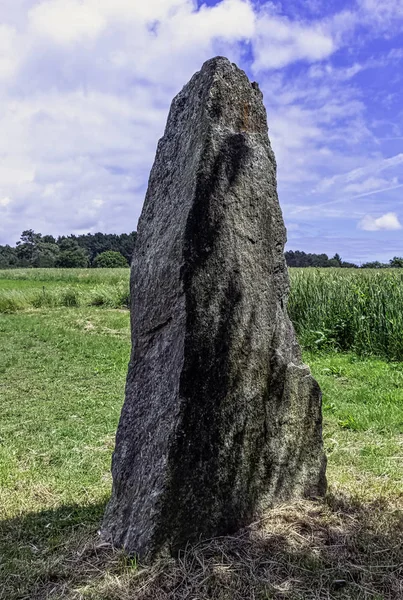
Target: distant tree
335	261
127	242
29	237
71	255
48	239
45	254
302	259
8	257
96	243
25	247
33	250
110	260
318	260
296	258
396	262
37	250
374	265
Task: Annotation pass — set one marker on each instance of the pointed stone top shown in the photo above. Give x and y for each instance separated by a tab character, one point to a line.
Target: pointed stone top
222	65
223	93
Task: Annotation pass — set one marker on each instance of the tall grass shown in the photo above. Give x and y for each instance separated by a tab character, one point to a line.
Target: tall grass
107	295
349	310
90	276
36	288
343	309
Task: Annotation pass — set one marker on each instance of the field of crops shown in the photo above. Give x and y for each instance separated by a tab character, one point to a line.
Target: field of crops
343	309
338	309
39	288
64	349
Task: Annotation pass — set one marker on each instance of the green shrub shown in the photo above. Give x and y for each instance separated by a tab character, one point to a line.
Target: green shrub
110	260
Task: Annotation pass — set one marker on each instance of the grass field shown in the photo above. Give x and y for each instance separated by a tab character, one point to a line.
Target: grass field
349	309
62	375
36	288
337	309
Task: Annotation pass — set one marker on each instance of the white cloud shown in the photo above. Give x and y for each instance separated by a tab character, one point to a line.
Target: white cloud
384	11
395	54
79	138
150	11
86	87
278	41
387	222
368	185
314	129
66	21
8	51
228	20
376	167
5	201
365	174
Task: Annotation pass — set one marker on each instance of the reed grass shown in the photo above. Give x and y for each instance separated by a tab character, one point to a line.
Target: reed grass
338	309
345	309
90	276
106	294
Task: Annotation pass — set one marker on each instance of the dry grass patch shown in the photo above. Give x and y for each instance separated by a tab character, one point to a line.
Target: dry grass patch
341	549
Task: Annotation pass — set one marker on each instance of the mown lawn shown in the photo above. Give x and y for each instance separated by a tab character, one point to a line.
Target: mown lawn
62	375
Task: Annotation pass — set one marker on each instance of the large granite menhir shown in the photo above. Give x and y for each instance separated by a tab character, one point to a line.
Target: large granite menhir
221	417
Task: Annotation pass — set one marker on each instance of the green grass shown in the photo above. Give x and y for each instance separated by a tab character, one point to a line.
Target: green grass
89	276
363	413
107	295
62	375
339	309
62	379
349	309
22	289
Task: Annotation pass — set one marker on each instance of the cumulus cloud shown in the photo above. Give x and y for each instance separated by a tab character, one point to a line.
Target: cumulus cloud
8	52
86	87
387	222
66	21
279	41
85	106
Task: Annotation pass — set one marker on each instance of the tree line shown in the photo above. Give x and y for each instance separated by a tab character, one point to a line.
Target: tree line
113	250
72	251
302	259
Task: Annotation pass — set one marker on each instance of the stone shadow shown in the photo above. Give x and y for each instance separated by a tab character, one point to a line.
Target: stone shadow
339	548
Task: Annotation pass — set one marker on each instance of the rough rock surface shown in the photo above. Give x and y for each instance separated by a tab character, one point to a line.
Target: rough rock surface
221	418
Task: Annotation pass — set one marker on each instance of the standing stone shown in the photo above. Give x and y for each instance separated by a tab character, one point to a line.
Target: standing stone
221	417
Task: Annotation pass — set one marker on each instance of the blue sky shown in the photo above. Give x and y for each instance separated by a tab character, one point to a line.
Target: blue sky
85	88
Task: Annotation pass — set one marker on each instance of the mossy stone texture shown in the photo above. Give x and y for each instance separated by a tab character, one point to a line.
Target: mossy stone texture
221	417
